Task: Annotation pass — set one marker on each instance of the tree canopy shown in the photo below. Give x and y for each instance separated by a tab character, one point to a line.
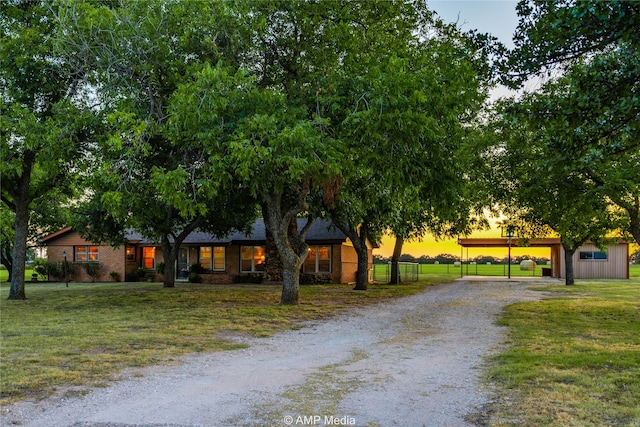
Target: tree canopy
592	53
202	114
46	126
405	116
570	147
146	175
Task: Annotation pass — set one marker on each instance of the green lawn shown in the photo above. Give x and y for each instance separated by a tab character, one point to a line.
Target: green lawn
572	359
4	274
381	271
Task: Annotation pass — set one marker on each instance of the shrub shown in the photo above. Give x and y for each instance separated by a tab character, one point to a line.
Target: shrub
160	268
196	268
55	270
195	277
247	278
40	266
92	269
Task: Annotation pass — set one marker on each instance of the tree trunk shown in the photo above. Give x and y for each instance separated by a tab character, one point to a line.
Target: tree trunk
359	240
292	255
16	291
290	243
362	274
568	264
273	263
395	258
169	254
21	201
290	283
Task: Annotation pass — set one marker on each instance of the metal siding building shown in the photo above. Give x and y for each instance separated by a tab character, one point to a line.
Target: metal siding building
589	262
613	264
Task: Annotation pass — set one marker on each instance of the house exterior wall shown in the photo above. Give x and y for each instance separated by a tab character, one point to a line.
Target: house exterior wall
110	259
231	266
349	262
557	261
616	266
232	262
343	264
343	260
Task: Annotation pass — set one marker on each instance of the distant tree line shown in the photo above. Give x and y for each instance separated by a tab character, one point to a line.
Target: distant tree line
450	259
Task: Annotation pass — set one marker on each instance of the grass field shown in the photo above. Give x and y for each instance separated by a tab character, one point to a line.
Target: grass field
4	274
572	359
382	271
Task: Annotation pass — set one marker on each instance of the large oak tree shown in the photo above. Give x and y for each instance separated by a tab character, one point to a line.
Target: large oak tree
407	112
45	124
144	177
594	47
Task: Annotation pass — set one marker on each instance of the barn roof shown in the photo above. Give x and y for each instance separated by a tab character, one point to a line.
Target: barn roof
503	242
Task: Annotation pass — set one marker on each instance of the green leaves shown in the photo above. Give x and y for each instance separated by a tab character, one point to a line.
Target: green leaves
586	119
262	140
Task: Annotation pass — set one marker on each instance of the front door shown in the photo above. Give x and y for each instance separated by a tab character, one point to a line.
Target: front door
182	272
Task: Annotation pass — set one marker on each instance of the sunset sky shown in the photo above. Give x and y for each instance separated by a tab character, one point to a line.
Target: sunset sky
429	246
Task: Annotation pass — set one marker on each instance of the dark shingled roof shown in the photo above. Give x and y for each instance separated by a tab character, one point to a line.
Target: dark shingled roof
321	231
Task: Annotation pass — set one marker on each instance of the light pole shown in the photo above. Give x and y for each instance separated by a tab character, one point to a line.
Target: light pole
509	236
66	277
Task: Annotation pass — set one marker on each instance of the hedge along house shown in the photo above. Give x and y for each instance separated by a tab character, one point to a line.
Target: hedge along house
589	262
331	258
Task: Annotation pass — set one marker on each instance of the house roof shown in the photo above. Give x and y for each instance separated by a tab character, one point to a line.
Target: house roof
55	234
321	231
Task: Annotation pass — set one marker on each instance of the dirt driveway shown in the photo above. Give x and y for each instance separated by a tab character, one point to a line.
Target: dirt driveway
411	362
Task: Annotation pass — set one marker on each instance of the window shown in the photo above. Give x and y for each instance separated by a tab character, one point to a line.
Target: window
251	259
318	260
593	256
148	257
86	253
130	252
212	258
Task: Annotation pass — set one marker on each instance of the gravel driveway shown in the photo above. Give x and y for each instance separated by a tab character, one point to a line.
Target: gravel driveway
411	362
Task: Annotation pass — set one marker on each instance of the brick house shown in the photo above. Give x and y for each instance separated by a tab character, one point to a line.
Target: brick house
331	258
